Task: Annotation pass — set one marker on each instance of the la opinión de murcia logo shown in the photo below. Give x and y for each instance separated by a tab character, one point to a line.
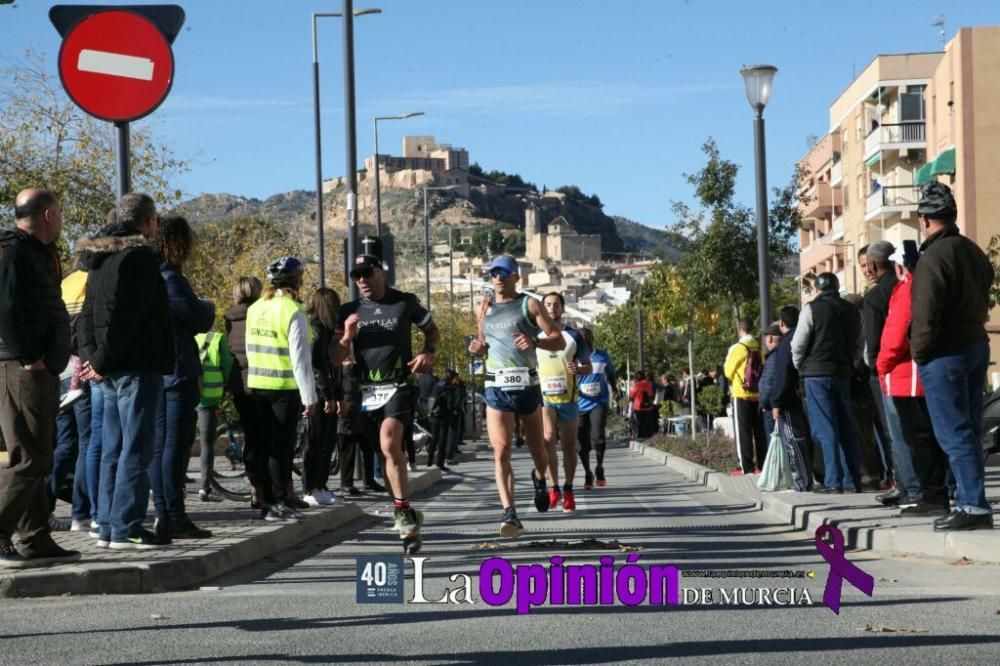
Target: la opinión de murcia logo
609	582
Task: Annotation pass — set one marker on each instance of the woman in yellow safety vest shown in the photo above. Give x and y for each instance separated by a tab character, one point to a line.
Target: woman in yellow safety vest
280	377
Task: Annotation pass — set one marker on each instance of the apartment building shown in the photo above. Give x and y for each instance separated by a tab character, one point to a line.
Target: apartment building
905	120
860	178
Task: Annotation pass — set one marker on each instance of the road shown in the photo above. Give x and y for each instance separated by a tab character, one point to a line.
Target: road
301	608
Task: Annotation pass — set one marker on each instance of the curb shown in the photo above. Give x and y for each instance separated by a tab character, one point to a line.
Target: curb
219	557
805	511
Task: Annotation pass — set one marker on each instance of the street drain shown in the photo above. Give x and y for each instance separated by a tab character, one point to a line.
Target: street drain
556	544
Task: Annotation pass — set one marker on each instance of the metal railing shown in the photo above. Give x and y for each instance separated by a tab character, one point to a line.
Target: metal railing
911	131
893	195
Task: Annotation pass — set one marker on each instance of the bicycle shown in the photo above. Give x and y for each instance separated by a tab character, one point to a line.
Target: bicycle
232	483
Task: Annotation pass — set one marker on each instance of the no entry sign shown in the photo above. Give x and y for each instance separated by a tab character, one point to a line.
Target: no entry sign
116	65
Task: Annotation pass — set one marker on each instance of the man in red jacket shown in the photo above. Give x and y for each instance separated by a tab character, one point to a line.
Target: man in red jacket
900	382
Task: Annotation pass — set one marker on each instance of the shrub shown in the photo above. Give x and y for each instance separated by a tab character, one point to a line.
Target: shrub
716	452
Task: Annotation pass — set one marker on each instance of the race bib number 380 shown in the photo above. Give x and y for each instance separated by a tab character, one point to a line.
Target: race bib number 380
512	379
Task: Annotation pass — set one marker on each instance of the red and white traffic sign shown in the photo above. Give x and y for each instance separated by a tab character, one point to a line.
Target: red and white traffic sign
116	65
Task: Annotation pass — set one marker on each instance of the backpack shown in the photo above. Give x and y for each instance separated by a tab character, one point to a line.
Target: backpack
752	371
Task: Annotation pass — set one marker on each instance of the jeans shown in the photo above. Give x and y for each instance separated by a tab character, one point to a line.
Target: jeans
828	401
906	476
885	434
72	442
175	427
93	463
131	402
930	464
953	384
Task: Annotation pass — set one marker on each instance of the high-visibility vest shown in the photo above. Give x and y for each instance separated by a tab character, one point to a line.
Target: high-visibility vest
269	360
211	367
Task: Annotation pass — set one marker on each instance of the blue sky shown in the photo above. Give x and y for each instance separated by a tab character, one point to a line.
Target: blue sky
614	97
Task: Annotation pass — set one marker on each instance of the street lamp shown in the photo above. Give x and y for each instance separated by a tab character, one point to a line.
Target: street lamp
349	177
758	80
427	241
378	189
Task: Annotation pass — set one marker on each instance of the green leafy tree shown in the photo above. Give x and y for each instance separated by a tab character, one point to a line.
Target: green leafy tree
46	141
721	260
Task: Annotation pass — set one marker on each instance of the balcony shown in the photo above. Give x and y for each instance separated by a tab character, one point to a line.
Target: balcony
837	174
892	199
818	201
909	134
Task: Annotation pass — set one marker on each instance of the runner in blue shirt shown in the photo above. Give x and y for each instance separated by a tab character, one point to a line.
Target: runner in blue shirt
594	401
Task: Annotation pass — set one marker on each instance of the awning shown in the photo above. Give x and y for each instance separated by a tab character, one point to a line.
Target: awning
943	163
874	159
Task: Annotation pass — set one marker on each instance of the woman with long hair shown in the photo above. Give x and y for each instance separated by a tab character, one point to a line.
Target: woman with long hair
175	420
322	427
280	375
246	291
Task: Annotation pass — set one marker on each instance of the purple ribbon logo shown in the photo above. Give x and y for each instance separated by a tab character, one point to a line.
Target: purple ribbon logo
840	568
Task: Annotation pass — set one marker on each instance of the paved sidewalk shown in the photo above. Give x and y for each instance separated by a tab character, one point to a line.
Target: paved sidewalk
239	537
866	524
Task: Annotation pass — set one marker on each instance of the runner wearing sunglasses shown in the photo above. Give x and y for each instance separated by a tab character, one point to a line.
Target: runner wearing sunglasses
378	325
509	326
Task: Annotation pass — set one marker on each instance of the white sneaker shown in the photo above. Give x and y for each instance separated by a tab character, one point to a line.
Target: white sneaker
313	498
413	467
325	497
80	526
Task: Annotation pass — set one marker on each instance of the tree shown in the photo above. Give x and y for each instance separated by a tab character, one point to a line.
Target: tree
722	255
46	141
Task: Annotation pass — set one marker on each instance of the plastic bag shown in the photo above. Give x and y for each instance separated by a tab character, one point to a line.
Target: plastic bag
777	472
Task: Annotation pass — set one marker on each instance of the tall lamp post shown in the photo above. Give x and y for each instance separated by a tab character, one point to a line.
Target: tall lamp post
352	230
758	80
427	241
378	189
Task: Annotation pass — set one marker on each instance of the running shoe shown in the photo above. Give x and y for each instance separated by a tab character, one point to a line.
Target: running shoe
569	501
588	481
510	526
541	496
408	522
208	496
554	496
601	481
80	526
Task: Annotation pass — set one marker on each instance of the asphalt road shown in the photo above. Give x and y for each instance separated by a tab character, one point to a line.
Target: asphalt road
301	608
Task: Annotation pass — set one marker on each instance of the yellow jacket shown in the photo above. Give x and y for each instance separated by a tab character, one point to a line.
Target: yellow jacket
736	363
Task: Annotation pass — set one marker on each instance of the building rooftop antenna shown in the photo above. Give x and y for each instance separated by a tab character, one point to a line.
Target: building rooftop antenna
939	24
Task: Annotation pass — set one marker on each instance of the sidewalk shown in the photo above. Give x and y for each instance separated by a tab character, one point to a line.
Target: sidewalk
866	524
239	538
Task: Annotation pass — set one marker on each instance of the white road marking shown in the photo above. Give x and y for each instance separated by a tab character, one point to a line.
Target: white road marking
115	64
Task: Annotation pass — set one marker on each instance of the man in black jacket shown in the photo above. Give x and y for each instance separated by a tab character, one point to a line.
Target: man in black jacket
126	340
948	341
785	405
894	457
34	349
825	349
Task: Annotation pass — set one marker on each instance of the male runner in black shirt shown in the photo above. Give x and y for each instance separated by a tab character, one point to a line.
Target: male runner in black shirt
378	325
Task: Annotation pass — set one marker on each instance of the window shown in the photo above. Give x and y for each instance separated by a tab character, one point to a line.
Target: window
844	140
911	106
847	198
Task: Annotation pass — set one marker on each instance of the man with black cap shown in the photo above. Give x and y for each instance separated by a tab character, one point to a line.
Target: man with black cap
378	324
824	350
772	338
948	341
